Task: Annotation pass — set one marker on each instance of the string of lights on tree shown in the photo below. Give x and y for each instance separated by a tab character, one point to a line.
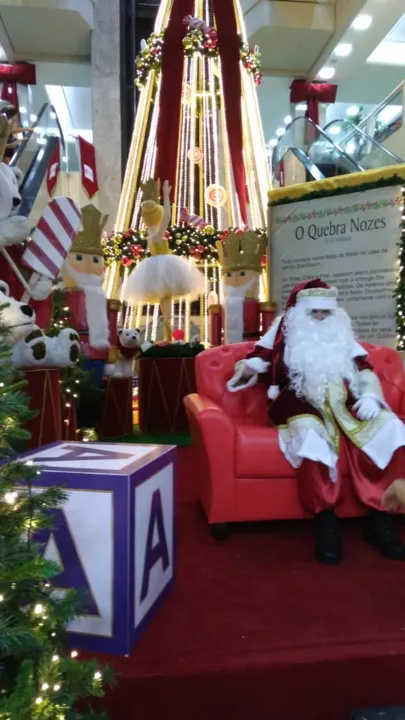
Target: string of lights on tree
400	293
196	41
129	247
39	677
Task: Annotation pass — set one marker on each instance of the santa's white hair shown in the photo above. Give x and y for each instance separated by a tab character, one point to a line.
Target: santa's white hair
318	352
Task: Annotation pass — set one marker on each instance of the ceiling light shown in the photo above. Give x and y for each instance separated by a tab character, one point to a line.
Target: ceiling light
362	22
33	117
52	115
302	107
273	142
23	110
352	111
343	49
327	73
334	130
288	119
280	132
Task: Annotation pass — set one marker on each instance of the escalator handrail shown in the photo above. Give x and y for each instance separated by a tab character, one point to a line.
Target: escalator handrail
385	102
306	161
355	129
40	115
324	135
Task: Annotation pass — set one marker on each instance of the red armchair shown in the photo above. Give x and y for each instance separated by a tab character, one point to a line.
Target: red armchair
241	473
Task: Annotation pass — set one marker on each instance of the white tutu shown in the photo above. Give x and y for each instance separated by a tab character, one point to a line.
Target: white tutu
162	276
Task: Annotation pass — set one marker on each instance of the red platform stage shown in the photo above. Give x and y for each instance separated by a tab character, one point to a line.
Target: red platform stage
257	630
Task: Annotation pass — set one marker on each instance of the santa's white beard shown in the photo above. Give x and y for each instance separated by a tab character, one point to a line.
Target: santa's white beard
96	306
234	298
318	352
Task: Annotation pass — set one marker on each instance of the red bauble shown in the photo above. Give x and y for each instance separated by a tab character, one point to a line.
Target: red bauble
126	261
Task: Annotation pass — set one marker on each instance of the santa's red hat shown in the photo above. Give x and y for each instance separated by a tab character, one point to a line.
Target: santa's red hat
312	294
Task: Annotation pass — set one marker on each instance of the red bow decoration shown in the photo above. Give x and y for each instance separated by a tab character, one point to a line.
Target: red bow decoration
312	94
10	75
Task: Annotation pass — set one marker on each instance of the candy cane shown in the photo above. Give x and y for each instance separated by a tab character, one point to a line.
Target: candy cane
197	24
194	220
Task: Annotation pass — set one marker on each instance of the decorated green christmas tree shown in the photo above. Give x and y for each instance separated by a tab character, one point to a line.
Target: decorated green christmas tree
39	677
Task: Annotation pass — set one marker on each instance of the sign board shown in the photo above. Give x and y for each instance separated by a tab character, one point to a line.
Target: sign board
350	241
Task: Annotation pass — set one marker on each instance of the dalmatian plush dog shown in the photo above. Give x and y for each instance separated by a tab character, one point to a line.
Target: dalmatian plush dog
30	347
14	228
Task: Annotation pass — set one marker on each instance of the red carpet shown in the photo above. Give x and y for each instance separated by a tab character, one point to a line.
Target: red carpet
256	629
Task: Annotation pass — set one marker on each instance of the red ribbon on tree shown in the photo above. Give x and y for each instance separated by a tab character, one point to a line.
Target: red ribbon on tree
53	171
229	50
170	92
171	87
312	94
11	75
88	167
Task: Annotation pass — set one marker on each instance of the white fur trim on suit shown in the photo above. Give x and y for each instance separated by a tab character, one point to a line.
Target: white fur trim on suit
273	392
358	350
257	365
317	303
267	341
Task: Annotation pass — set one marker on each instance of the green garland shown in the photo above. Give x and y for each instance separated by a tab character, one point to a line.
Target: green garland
150	58
196	41
346	190
130	246
172	350
400	292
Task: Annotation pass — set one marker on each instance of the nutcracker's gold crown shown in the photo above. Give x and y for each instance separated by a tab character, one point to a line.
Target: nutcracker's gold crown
88	240
5	132
242	251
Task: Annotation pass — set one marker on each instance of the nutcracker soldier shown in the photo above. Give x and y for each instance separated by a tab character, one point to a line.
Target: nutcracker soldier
93	316
242	316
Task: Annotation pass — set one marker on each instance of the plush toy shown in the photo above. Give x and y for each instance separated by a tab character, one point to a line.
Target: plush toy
129	347
14	230
30	347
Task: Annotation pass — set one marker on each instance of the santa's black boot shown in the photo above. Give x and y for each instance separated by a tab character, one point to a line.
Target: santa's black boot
328	540
379	530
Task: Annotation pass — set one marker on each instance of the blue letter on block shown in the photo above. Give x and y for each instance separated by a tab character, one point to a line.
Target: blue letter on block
160	550
73	574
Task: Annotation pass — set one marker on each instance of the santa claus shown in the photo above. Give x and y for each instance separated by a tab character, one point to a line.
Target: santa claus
326	401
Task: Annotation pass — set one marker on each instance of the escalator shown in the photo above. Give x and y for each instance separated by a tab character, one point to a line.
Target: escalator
365	150
33	157
306	152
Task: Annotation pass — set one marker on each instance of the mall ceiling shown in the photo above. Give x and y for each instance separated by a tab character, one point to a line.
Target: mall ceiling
297	38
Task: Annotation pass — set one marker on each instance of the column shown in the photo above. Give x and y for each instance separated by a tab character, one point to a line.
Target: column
106	97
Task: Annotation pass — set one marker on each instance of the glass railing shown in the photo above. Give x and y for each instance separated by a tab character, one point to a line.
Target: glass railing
387	118
46	125
362	148
304	136
33	158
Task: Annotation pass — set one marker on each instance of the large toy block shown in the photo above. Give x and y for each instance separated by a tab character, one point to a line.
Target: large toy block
114	537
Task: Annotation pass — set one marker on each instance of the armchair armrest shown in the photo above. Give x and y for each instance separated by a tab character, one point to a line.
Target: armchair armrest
214	435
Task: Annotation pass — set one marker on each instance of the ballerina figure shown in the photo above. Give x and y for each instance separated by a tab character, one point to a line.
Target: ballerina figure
162	276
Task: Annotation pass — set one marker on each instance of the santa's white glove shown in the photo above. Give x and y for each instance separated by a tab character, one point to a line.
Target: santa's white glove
42	288
367	408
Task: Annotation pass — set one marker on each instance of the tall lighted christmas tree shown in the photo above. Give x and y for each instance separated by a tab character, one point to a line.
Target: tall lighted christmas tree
198	126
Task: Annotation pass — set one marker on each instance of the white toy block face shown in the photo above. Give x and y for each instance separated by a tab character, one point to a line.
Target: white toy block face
10	198
17	316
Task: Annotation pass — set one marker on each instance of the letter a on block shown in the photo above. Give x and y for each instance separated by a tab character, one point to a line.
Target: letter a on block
159	551
73	574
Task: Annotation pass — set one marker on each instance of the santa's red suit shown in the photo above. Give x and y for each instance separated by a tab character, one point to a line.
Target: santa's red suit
326	401
42	307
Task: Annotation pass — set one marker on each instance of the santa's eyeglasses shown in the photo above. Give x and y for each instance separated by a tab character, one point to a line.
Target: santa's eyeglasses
320	314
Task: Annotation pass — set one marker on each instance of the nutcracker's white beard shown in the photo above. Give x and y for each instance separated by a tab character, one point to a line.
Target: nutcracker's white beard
234	298
96	306
318	352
